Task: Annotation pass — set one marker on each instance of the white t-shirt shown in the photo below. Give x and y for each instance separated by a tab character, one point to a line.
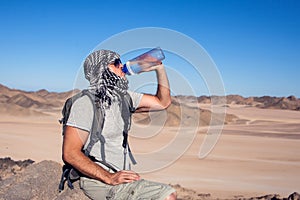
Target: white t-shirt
81	116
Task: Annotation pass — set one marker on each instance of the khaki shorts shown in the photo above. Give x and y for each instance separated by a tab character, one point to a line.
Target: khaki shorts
137	190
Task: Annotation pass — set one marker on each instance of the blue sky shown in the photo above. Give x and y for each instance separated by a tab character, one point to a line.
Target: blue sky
254	44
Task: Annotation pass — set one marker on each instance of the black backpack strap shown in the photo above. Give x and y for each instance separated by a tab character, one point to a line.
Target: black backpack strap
96	129
127	110
69	175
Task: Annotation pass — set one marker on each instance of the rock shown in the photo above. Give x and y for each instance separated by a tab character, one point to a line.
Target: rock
38	181
188	194
292	98
8	167
267	197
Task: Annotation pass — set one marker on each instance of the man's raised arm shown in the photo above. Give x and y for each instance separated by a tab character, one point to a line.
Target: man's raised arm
162	99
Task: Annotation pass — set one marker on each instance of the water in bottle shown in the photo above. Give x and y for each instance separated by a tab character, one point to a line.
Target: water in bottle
144	61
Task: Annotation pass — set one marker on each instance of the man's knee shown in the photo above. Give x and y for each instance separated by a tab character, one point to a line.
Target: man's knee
172	196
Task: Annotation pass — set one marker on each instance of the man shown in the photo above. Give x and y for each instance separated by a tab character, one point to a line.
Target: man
103	69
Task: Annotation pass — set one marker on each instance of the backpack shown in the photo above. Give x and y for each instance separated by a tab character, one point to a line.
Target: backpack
70	174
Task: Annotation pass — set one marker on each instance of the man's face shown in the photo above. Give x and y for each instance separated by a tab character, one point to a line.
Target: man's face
117	69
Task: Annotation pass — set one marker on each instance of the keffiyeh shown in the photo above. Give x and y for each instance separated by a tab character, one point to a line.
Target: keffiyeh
104	84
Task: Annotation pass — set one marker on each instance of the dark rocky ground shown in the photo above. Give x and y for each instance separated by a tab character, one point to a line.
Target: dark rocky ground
28	180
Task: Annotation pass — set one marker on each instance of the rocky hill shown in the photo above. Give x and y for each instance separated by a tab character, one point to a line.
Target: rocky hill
287	103
24	180
24	103
184	110
36	181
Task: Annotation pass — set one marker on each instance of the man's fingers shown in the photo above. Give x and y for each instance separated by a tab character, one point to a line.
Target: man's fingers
125	177
152	68
130	175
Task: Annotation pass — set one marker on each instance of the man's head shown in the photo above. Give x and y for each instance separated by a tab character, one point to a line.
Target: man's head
99	61
103	69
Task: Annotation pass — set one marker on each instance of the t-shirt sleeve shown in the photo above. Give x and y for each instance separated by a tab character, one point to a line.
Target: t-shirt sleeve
136	98
81	115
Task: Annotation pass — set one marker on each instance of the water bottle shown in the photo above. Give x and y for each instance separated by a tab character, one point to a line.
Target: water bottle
144	61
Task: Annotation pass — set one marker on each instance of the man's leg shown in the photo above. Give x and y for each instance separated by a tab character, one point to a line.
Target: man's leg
143	189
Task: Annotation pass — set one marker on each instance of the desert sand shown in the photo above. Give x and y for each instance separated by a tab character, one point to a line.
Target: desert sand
261	157
257	153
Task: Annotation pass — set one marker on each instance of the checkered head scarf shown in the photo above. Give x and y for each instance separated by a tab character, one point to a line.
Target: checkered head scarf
104	84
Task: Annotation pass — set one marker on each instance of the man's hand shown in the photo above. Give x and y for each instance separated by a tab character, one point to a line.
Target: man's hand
152	68
123	177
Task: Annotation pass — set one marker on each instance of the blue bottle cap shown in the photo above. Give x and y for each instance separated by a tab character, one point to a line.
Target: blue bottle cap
124	69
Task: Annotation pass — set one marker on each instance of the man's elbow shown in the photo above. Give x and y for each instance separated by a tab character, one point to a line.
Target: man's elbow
67	157
166	104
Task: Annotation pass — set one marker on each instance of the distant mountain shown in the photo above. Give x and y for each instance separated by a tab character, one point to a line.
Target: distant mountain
287	103
184	110
18	102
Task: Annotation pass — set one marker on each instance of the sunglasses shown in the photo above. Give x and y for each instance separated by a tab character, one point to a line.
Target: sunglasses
117	62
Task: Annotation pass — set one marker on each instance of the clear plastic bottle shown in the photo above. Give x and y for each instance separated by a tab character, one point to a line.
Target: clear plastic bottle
144	61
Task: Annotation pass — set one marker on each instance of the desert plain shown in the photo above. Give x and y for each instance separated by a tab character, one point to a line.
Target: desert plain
256	151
